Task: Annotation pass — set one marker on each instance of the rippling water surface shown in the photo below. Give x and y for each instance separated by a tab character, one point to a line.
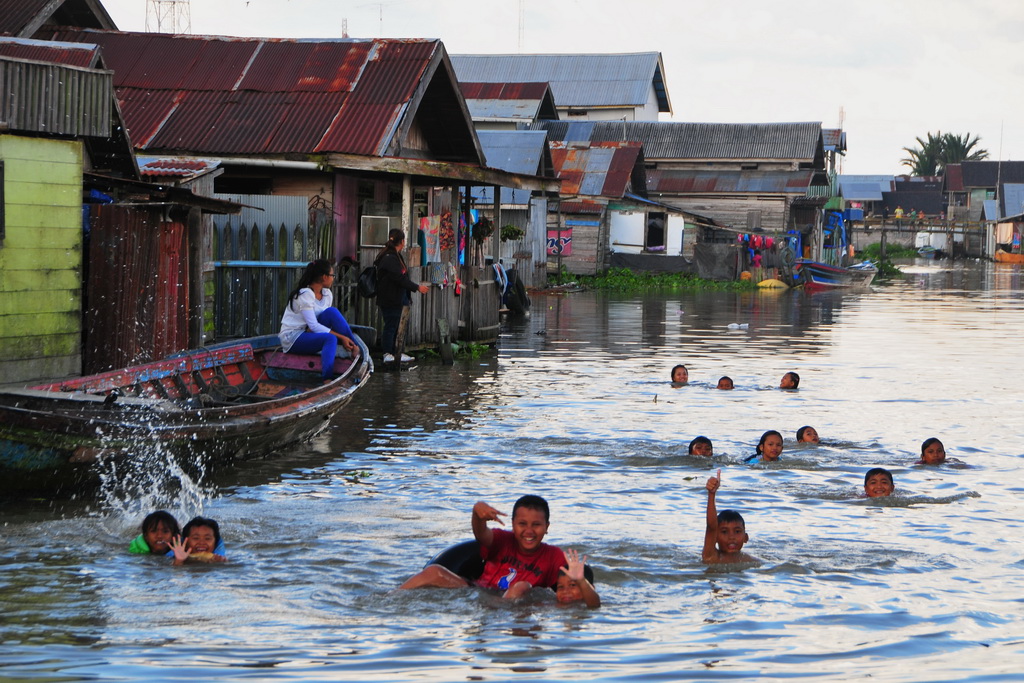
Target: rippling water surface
576	406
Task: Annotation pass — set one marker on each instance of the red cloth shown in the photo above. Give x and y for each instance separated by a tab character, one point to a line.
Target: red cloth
505	565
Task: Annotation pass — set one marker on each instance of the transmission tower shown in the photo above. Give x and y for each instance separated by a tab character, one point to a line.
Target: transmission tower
168	16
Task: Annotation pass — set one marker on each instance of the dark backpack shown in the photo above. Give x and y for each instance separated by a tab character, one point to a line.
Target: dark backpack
366	285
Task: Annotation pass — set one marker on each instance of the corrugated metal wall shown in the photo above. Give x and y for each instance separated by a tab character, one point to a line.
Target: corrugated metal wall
49	98
137	302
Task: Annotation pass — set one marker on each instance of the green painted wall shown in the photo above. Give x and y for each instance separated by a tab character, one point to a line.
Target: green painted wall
41	259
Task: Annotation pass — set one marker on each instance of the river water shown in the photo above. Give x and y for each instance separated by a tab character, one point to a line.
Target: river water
576	406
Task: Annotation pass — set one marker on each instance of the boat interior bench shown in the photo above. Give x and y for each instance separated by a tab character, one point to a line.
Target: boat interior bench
293	372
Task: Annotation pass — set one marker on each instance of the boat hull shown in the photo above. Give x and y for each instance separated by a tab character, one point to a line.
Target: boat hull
1007	257
198	409
821	276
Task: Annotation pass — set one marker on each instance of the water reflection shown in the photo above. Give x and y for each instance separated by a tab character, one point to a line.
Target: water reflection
577	406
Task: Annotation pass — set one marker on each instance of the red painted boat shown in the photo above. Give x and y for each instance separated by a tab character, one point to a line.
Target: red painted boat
237	400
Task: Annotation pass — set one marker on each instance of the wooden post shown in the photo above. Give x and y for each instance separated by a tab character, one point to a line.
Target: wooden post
881	243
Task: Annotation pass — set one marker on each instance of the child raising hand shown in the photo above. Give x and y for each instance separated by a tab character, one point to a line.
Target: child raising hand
573	584
726	531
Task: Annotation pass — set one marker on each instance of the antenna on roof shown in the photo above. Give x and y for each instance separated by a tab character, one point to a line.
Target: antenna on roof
344	27
168	16
522	24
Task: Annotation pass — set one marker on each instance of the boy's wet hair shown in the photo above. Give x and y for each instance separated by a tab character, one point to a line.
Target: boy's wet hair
731	516
800	432
929	442
155	519
796	379
532	502
699	439
203	521
676	367
878	470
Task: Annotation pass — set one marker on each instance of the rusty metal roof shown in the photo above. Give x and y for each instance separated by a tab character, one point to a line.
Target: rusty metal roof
257	96
69	54
669	140
24	17
172	167
598	169
509	101
717	182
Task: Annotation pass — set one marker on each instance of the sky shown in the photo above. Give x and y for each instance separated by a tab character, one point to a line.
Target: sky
888	71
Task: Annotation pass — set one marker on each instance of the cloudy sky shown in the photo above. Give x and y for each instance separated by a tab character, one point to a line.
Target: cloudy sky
896	69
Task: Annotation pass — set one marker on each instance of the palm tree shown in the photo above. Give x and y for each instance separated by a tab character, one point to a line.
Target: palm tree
931	156
957	148
924	160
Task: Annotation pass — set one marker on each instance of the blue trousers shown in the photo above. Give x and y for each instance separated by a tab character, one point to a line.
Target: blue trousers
325	343
392	316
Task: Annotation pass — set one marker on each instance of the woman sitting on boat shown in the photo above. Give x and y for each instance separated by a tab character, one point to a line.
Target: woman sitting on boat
310	323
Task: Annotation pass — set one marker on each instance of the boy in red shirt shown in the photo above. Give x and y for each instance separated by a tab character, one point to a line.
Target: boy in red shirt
514	561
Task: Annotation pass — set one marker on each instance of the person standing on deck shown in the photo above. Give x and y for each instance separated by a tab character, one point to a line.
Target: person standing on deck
394	291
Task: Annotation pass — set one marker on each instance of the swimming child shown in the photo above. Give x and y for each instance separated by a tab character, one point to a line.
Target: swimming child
576	582
878	483
932	452
158	530
514	561
807	435
701	446
790	380
725	383
726	532
199	541
769	448
680	375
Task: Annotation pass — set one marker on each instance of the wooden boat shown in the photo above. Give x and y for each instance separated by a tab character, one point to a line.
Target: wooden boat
928	252
817	275
1008	257
237	400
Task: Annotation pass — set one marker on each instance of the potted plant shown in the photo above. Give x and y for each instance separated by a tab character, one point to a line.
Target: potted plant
483	229
511	232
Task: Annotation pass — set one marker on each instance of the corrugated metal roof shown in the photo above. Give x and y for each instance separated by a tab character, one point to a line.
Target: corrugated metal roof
668	140
70	54
953	178
1013	198
23	17
864	192
834	139
990	173
177	168
990	210
249	96
868	188
599	169
577	80
515	151
709	182
509	101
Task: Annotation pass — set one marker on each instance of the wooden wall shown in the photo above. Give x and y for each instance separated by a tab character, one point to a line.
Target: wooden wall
41	259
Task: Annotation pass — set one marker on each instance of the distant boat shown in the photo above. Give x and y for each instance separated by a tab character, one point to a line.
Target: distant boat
237	400
1008	257
928	252
817	275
